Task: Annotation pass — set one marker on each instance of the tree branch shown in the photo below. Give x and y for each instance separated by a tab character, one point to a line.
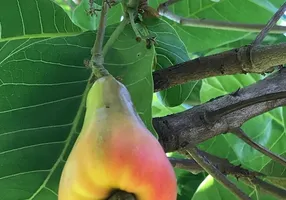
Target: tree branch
97	58
189	128
186	164
271	23
242	135
225	167
98	44
214	24
215	173
261	59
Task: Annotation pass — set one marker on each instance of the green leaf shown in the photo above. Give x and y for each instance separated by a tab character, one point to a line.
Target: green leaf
187	183
85	17
89	21
33	18
278	181
115	14
37	104
67	5
211	189
270	5
195	97
268	40
169	54
160	110
201	39
42	82
41	93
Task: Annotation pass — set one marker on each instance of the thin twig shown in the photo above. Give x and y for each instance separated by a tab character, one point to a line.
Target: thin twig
186	164
271	23
97	58
242	135
215	173
98	44
214	24
227	168
247	176
221	164
267	187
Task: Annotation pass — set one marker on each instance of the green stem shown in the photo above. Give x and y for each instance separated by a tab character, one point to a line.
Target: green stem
131	14
114	36
99	71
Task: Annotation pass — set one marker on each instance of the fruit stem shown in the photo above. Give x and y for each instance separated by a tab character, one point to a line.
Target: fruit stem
131	14
97	58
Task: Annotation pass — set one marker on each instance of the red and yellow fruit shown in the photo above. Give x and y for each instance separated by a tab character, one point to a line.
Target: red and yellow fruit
115	151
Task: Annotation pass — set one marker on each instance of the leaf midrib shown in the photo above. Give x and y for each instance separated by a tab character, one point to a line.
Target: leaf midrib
40	35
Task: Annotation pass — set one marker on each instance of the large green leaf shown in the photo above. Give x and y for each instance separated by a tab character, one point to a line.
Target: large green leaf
41	92
33	18
42	82
168	54
244	11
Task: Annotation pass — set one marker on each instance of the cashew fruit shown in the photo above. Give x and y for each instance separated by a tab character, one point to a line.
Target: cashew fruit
115	151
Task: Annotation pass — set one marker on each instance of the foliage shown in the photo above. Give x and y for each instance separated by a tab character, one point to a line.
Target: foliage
43	78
